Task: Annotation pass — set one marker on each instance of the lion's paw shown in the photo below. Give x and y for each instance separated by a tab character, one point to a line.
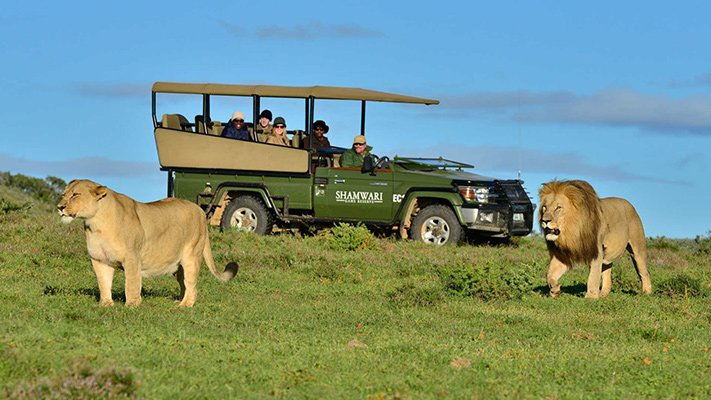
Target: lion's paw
133	303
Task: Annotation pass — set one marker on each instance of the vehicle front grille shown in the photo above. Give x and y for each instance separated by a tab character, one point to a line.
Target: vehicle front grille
515	192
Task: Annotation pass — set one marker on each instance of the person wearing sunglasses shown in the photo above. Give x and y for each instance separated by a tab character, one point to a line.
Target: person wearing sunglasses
236	128
317	140
353	157
278	135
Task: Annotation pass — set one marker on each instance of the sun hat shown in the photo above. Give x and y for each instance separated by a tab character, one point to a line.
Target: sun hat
321	124
359	139
279	121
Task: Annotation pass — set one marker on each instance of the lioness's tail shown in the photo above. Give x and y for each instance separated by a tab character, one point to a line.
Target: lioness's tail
230	269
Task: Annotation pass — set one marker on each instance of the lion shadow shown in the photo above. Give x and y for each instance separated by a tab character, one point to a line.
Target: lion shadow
579	289
119	296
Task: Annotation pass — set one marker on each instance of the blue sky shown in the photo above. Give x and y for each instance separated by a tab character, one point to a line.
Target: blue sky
616	93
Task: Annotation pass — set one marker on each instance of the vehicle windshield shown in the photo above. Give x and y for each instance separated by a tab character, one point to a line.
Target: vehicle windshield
429	164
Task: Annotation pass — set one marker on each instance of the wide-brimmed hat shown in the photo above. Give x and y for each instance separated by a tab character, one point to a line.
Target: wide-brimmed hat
359	139
279	121
237	115
321	124
266	114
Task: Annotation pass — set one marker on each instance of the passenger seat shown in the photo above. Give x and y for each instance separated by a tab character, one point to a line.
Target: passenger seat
200	124
296	139
176	121
215	128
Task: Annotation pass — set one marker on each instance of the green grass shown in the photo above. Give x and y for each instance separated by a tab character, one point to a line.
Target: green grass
344	315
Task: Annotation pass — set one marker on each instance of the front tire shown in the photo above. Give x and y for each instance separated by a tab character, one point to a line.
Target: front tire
247	214
436	224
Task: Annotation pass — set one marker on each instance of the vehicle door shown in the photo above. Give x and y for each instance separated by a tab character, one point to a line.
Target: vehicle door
348	193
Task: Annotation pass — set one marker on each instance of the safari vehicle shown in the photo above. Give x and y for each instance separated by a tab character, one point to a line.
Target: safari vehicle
254	186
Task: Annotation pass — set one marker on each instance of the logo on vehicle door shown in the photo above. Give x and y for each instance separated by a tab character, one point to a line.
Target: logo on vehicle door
350	196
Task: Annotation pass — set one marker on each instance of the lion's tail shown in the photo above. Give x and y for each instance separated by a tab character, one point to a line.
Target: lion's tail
230	269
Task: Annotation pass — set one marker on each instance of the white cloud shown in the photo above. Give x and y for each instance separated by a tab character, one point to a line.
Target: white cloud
113	90
80	167
513	159
311	31
703	80
611	107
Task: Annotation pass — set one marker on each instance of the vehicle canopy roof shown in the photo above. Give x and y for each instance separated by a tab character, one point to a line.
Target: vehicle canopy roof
302	92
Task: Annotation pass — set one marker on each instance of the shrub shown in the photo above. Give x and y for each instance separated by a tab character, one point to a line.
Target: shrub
662	243
7	206
703	243
417	294
81	383
489	282
350	237
681	286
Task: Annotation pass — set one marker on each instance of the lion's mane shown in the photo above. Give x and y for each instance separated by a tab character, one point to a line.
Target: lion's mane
579	240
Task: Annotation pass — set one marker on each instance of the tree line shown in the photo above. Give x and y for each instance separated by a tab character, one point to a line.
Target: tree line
46	190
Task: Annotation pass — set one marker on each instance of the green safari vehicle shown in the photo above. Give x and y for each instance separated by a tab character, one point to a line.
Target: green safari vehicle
255	186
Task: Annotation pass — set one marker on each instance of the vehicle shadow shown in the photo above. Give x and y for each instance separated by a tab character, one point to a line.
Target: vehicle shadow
489	241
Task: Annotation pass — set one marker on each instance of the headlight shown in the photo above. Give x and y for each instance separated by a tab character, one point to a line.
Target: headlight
474	194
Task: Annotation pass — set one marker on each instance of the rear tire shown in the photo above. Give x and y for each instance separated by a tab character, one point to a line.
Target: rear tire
247	214
436	224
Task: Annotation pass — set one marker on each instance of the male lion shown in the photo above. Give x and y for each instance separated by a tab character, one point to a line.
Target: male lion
579	227
143	239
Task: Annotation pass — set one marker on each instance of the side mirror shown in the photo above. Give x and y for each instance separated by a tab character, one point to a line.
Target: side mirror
383	162
368	166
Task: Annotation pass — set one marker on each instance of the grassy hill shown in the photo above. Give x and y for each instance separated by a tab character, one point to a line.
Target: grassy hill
347	315
21	192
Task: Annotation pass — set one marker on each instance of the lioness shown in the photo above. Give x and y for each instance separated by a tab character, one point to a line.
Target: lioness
143	239
579	227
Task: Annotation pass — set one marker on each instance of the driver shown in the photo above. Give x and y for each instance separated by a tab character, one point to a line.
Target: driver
353	157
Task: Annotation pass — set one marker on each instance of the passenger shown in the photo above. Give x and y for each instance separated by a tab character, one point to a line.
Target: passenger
263	127
278	135
236	128
317	140
353	157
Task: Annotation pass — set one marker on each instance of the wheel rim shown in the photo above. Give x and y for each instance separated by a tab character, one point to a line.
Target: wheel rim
435	230
244	219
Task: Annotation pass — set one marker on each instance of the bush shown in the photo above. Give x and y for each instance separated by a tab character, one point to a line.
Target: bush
350	237
704	244
662	243
81	383
7	206
489	281
681	286
417	294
